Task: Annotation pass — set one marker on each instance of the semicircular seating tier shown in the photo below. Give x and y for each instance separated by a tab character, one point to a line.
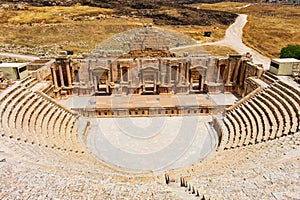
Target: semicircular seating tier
271	113
34	118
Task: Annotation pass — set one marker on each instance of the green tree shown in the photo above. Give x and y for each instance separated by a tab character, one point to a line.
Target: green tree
291	51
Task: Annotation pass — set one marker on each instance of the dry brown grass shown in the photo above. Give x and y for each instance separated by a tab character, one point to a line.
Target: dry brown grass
78	36
75	36
196	32
55	27
54	14
270	27
211	50
223	6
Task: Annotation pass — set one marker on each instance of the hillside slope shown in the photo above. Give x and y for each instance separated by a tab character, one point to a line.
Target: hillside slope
163	12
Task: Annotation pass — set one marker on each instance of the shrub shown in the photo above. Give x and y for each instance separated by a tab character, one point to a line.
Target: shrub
291	51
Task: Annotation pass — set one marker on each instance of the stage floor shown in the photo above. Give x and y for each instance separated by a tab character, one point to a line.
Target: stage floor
153	143
164	100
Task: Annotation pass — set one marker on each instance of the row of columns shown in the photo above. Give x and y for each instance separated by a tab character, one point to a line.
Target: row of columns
179	79
61	76
182	72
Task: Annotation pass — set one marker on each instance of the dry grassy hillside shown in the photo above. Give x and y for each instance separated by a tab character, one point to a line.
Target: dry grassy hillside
270	26
78	28
46	30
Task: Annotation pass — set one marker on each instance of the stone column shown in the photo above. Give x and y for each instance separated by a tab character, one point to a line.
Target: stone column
54	78
163	76
121	74
90	72
69	75
143	82
107	89
160	71
110	71
61	76
229	73
155	78
77	76
108	77
91	76
187	72
218	73
179	73
202	83
237	65
95	82
170	73
128	75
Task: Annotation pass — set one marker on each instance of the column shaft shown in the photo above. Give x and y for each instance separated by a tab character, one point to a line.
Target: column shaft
61	76
229	73
69	76
54	78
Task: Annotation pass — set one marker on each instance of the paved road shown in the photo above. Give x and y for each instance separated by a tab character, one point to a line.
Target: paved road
233	39
19	56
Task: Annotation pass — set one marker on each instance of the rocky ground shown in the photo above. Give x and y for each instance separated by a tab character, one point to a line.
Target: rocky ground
163	12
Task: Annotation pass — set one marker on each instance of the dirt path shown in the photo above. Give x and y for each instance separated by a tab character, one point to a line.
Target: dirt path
233	39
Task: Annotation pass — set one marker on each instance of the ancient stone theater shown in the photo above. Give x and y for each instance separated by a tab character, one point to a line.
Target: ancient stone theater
135	120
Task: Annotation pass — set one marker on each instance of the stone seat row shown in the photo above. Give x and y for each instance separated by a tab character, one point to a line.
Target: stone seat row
250	172
29	82
48	156
269	78
26	116
272	113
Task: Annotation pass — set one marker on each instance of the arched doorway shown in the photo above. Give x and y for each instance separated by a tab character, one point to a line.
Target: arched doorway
197	79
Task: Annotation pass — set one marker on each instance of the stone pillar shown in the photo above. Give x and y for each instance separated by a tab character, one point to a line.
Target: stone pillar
61	76
202	83
91	76
159	71
90	72
170	73
109	77
187	72
121	74
95	82
155	78
237	65
54	78
107	89
179	73
229	73
163	76
218	73
128	75
143	82
110	71
69	75
118	72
